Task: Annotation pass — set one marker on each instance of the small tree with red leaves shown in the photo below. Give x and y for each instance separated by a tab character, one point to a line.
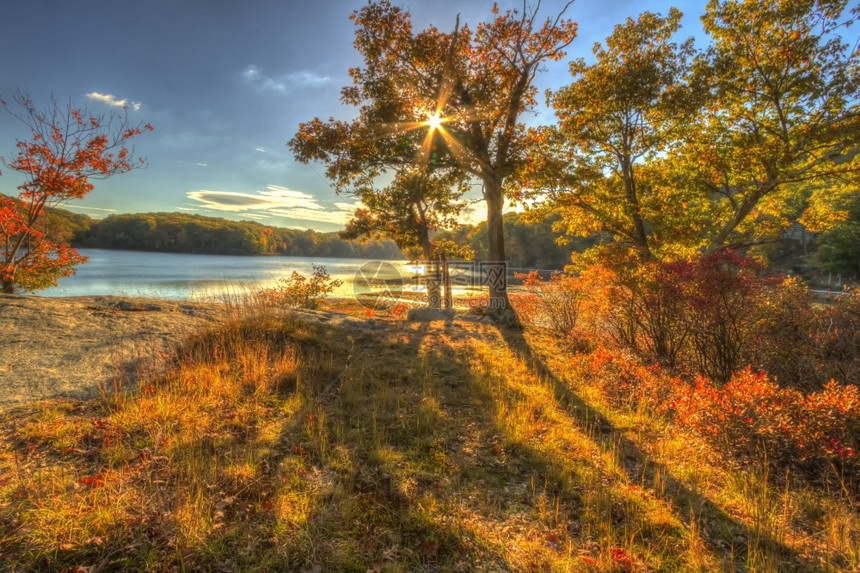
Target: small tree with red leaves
68	147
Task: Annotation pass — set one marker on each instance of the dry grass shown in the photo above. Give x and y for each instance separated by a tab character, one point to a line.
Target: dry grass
272	444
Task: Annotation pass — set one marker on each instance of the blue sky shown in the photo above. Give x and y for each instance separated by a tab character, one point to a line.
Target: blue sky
222	82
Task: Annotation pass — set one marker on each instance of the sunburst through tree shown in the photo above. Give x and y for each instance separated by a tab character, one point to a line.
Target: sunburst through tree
463	92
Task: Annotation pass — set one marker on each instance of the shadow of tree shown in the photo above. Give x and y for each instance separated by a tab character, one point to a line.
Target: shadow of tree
391	448
420	464
721	533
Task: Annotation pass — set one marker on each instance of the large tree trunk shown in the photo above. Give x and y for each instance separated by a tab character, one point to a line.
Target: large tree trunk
495	270
640	234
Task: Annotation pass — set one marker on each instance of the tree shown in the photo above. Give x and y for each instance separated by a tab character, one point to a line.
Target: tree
675	157
418	202
67	148
618	117
465	92
834	213
783	110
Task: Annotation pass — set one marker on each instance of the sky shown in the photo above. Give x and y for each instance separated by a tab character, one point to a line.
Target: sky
224	83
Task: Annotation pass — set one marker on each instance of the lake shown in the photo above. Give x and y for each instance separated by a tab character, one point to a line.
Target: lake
183	276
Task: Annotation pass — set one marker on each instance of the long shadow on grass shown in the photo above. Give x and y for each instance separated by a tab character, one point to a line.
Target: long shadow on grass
685	501
348	467
408	467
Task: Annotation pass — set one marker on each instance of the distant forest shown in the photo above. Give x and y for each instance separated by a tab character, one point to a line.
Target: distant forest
186	233
531	245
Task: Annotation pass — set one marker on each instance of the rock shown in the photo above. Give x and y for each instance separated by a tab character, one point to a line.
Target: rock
137	306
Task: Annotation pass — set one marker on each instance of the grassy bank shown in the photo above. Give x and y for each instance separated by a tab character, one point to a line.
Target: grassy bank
275	444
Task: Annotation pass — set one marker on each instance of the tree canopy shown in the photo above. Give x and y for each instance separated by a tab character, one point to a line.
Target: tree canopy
674	152
458	95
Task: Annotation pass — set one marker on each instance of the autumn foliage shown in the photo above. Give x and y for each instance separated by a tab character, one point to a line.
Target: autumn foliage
67	148
752	413
300	291
746	361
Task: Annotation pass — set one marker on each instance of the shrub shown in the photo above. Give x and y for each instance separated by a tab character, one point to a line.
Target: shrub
781	343
640	307
836	336
626	382
555	303
723	298
695	316
830	423
751	413
805	345
300	291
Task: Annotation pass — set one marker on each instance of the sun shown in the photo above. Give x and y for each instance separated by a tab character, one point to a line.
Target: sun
433	121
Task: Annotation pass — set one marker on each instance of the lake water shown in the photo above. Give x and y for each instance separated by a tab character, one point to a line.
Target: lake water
182	276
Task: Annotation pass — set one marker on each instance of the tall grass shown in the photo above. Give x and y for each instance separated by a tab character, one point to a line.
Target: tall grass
273	443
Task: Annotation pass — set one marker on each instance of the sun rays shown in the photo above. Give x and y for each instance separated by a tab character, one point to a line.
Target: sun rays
441	129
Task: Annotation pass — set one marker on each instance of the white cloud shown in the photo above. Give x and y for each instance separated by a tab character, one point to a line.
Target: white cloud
111	100
98	210
272	198
336	217
274	201
284	83
351	207
202	164
291	198
307	79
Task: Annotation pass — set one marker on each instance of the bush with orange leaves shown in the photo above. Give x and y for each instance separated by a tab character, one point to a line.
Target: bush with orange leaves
752	414
625	382
555	303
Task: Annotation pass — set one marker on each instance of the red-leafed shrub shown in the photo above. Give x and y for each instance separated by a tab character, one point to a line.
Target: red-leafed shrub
751	413
643	308
528	307
555	303
711	317
699	315
830	423
625	381
723	299
740	416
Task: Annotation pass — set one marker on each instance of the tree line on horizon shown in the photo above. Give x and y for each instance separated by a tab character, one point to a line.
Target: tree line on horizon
532	244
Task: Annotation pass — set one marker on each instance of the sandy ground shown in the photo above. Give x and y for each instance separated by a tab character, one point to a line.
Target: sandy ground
75	346
79	346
